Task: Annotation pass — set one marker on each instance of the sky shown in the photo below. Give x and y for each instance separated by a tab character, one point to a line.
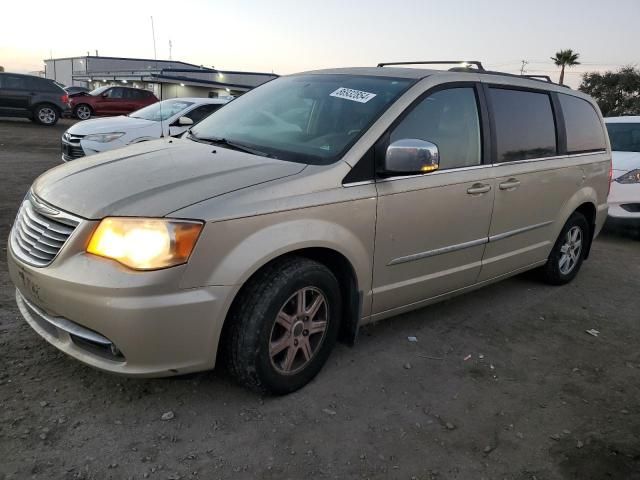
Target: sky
287	36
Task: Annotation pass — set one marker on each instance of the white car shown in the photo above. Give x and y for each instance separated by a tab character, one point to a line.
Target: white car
624	198
166	118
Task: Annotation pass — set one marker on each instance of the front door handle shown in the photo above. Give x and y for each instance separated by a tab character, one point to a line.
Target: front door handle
478	188
510	184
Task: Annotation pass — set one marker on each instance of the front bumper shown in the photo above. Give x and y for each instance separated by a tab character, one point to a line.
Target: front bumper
624	202
81	148
114	319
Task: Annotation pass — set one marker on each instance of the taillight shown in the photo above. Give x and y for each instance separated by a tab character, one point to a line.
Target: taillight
65	98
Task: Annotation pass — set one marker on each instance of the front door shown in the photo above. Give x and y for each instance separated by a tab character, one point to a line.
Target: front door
432	229
111	102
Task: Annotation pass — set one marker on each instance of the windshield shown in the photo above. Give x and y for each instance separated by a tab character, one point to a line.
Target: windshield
304	118
99	90
624	137
160	111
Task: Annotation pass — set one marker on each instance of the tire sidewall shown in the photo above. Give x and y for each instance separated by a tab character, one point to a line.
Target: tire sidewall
553	266
274	381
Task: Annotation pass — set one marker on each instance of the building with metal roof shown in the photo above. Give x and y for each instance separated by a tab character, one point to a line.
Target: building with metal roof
165	78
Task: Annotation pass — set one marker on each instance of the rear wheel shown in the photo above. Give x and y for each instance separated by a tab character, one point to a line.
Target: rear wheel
83	111
284	326
46	115
567	255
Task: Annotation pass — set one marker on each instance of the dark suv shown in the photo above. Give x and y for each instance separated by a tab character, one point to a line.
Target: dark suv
39	99
110	101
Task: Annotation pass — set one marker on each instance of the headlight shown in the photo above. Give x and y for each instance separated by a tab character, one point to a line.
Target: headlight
145	243
104	137
630	177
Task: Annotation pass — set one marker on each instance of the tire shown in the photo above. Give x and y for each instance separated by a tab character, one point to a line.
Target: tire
83	111
568	252
46	114
260	351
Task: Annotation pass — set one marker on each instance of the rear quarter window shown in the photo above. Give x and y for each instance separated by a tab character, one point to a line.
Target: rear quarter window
524	123
585	132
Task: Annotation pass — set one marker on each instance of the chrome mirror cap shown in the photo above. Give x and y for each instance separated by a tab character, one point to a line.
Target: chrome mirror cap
411	155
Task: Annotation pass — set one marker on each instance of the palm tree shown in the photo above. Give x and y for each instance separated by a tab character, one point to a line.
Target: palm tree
565	58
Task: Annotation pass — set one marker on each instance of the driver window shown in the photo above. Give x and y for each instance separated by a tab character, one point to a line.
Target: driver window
449	119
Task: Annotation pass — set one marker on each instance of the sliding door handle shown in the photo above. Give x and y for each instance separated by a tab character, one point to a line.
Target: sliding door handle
478	188
510	184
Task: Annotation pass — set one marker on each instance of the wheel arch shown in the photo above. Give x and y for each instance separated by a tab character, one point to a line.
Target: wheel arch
47	103
584	201
344	272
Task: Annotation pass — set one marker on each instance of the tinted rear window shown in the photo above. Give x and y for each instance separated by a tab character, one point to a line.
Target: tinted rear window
624	137
584	129
525	126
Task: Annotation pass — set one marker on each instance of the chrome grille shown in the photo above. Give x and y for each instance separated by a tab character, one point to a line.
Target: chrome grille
40	231
70	146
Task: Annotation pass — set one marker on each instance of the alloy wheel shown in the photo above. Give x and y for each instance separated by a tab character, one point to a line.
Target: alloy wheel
570	250
47	115
298	330
83	112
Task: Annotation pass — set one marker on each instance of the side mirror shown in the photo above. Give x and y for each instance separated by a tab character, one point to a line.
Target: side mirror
411	155
185	121
104	95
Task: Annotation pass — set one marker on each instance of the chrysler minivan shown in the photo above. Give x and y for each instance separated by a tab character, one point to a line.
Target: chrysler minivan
312	205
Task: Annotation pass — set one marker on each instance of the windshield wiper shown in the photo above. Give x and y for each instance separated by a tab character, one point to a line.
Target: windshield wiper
230	144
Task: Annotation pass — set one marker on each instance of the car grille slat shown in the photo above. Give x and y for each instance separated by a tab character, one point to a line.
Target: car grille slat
39	231
37	237
48	224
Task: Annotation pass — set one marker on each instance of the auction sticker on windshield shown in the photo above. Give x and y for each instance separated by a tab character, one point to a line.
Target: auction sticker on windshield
353	95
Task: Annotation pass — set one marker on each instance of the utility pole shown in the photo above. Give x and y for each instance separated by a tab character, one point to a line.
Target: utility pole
153	33
524	64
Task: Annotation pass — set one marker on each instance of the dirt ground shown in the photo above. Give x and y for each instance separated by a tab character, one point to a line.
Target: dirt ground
503	383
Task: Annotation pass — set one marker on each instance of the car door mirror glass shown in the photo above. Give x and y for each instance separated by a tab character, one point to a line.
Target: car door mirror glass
411	156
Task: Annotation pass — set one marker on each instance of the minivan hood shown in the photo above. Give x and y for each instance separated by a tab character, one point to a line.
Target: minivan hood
625	161
108	125
153	179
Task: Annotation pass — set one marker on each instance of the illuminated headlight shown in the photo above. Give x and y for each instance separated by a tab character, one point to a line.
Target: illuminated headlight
145	243
104	137
630	177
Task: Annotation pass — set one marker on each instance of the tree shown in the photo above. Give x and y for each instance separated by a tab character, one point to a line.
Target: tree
617	93
1	68
565	58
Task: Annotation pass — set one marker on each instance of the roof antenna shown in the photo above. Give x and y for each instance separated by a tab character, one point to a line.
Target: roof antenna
155	57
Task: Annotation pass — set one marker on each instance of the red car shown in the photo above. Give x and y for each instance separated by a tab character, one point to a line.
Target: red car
110	101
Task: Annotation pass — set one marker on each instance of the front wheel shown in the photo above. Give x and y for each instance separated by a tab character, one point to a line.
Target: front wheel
83	112
46	115
567	255
283	326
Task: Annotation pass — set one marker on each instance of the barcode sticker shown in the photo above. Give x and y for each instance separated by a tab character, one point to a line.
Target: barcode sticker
353	95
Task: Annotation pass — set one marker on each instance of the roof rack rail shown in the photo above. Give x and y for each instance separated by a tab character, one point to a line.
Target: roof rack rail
464	63
546	78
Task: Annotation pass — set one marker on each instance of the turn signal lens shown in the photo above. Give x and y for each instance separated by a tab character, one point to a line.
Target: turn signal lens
145	243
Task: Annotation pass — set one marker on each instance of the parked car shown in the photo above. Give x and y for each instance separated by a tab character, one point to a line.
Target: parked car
165	118
303	209
76	90
38	99
624	199
111	101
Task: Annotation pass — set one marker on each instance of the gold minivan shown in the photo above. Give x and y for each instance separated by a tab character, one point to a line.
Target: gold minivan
313	204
